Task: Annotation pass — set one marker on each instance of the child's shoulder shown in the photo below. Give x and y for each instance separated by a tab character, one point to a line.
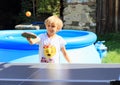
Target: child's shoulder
42	34
60	37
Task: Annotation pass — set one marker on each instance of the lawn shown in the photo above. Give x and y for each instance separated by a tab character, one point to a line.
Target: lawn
112	41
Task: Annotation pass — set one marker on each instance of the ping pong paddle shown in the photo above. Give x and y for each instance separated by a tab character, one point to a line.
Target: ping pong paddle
29	35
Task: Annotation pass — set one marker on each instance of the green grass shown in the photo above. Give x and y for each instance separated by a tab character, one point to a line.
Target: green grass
112	41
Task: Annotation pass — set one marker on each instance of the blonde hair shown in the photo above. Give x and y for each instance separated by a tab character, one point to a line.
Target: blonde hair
54	20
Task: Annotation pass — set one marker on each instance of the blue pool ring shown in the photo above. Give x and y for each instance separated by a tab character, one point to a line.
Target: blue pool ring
12	39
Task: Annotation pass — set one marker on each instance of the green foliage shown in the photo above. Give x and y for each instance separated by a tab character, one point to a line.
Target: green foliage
26	5
41	8
48	6
113	44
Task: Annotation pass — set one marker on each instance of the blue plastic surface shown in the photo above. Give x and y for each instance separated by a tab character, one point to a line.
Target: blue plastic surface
12	39
16	49
101	48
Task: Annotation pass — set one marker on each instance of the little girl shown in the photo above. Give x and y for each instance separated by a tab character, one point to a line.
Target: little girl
50	44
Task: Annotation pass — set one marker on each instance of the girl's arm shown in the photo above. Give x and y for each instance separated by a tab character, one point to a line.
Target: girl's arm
33	40
63	49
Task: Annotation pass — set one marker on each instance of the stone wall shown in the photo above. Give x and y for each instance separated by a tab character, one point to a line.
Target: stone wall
79	14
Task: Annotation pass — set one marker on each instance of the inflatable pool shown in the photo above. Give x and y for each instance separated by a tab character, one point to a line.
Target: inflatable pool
80	46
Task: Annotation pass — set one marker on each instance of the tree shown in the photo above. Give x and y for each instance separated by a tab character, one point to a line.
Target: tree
48	6
40	9
107	16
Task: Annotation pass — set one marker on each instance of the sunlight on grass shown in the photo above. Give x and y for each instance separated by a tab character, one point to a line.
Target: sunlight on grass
111	57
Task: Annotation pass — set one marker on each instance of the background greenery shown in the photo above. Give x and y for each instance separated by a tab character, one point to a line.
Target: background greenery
113	45
40	9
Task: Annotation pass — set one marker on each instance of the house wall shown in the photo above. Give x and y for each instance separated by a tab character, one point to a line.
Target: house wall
79	14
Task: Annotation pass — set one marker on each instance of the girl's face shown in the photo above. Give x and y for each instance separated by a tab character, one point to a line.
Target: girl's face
51	29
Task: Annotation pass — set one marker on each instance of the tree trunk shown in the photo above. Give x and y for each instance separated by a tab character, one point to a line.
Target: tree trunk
61	8
107	16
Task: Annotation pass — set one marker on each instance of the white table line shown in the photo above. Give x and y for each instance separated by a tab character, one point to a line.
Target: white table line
55	80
